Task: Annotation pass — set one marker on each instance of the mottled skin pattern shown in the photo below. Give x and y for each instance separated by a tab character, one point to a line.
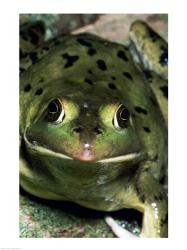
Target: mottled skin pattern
151	53
91	126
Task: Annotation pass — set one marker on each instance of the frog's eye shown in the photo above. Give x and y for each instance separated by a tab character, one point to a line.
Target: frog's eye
121	117
55	111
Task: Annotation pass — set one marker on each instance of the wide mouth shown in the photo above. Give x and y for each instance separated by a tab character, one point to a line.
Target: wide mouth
46	151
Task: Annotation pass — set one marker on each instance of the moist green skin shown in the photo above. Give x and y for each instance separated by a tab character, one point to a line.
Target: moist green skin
92	77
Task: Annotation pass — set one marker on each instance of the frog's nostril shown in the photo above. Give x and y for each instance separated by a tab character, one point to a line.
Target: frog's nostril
97	130
78	129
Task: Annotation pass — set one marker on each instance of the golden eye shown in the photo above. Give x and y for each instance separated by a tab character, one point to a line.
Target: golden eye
55	111
121	117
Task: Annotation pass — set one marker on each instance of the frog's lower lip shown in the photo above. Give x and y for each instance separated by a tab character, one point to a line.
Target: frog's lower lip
46	151
121	158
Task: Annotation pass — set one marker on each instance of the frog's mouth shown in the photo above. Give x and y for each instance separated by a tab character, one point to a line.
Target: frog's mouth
46	151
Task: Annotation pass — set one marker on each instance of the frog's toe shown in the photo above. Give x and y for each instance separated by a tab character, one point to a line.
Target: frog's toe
118	230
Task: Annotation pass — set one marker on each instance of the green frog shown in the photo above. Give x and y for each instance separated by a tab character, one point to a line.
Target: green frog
93	122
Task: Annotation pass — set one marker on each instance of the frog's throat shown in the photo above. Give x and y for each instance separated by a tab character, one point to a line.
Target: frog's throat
45	151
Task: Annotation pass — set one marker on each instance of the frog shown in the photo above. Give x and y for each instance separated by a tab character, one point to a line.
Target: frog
93	122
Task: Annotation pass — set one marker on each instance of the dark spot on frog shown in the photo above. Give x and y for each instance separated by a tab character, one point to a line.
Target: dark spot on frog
90	72
41	80
33	32
38	27
112	86
113	77
121	54
101	65
27	88
163	178
84	42
35	38
21	70
33	56
39	91
155	158
158	197
153	101
127	75
153	35
164	220
163	48
91	52
164	58
88	81
70	60
146	129
45	48
140	110
147	75
164	90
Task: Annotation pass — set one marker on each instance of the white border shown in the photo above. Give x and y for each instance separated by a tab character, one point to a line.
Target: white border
9	208
95	6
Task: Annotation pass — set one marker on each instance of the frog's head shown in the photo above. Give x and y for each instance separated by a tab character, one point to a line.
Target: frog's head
84	128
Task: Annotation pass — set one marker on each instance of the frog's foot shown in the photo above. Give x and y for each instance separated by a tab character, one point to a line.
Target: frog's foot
118	230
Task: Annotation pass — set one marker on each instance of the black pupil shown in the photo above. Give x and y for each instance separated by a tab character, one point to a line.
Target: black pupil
53	107
124	114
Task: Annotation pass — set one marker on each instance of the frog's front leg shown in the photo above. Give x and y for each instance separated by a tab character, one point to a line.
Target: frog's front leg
149	197
154	203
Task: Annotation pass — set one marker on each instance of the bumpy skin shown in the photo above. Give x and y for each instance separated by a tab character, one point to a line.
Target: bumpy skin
90	156
150	51
151	48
